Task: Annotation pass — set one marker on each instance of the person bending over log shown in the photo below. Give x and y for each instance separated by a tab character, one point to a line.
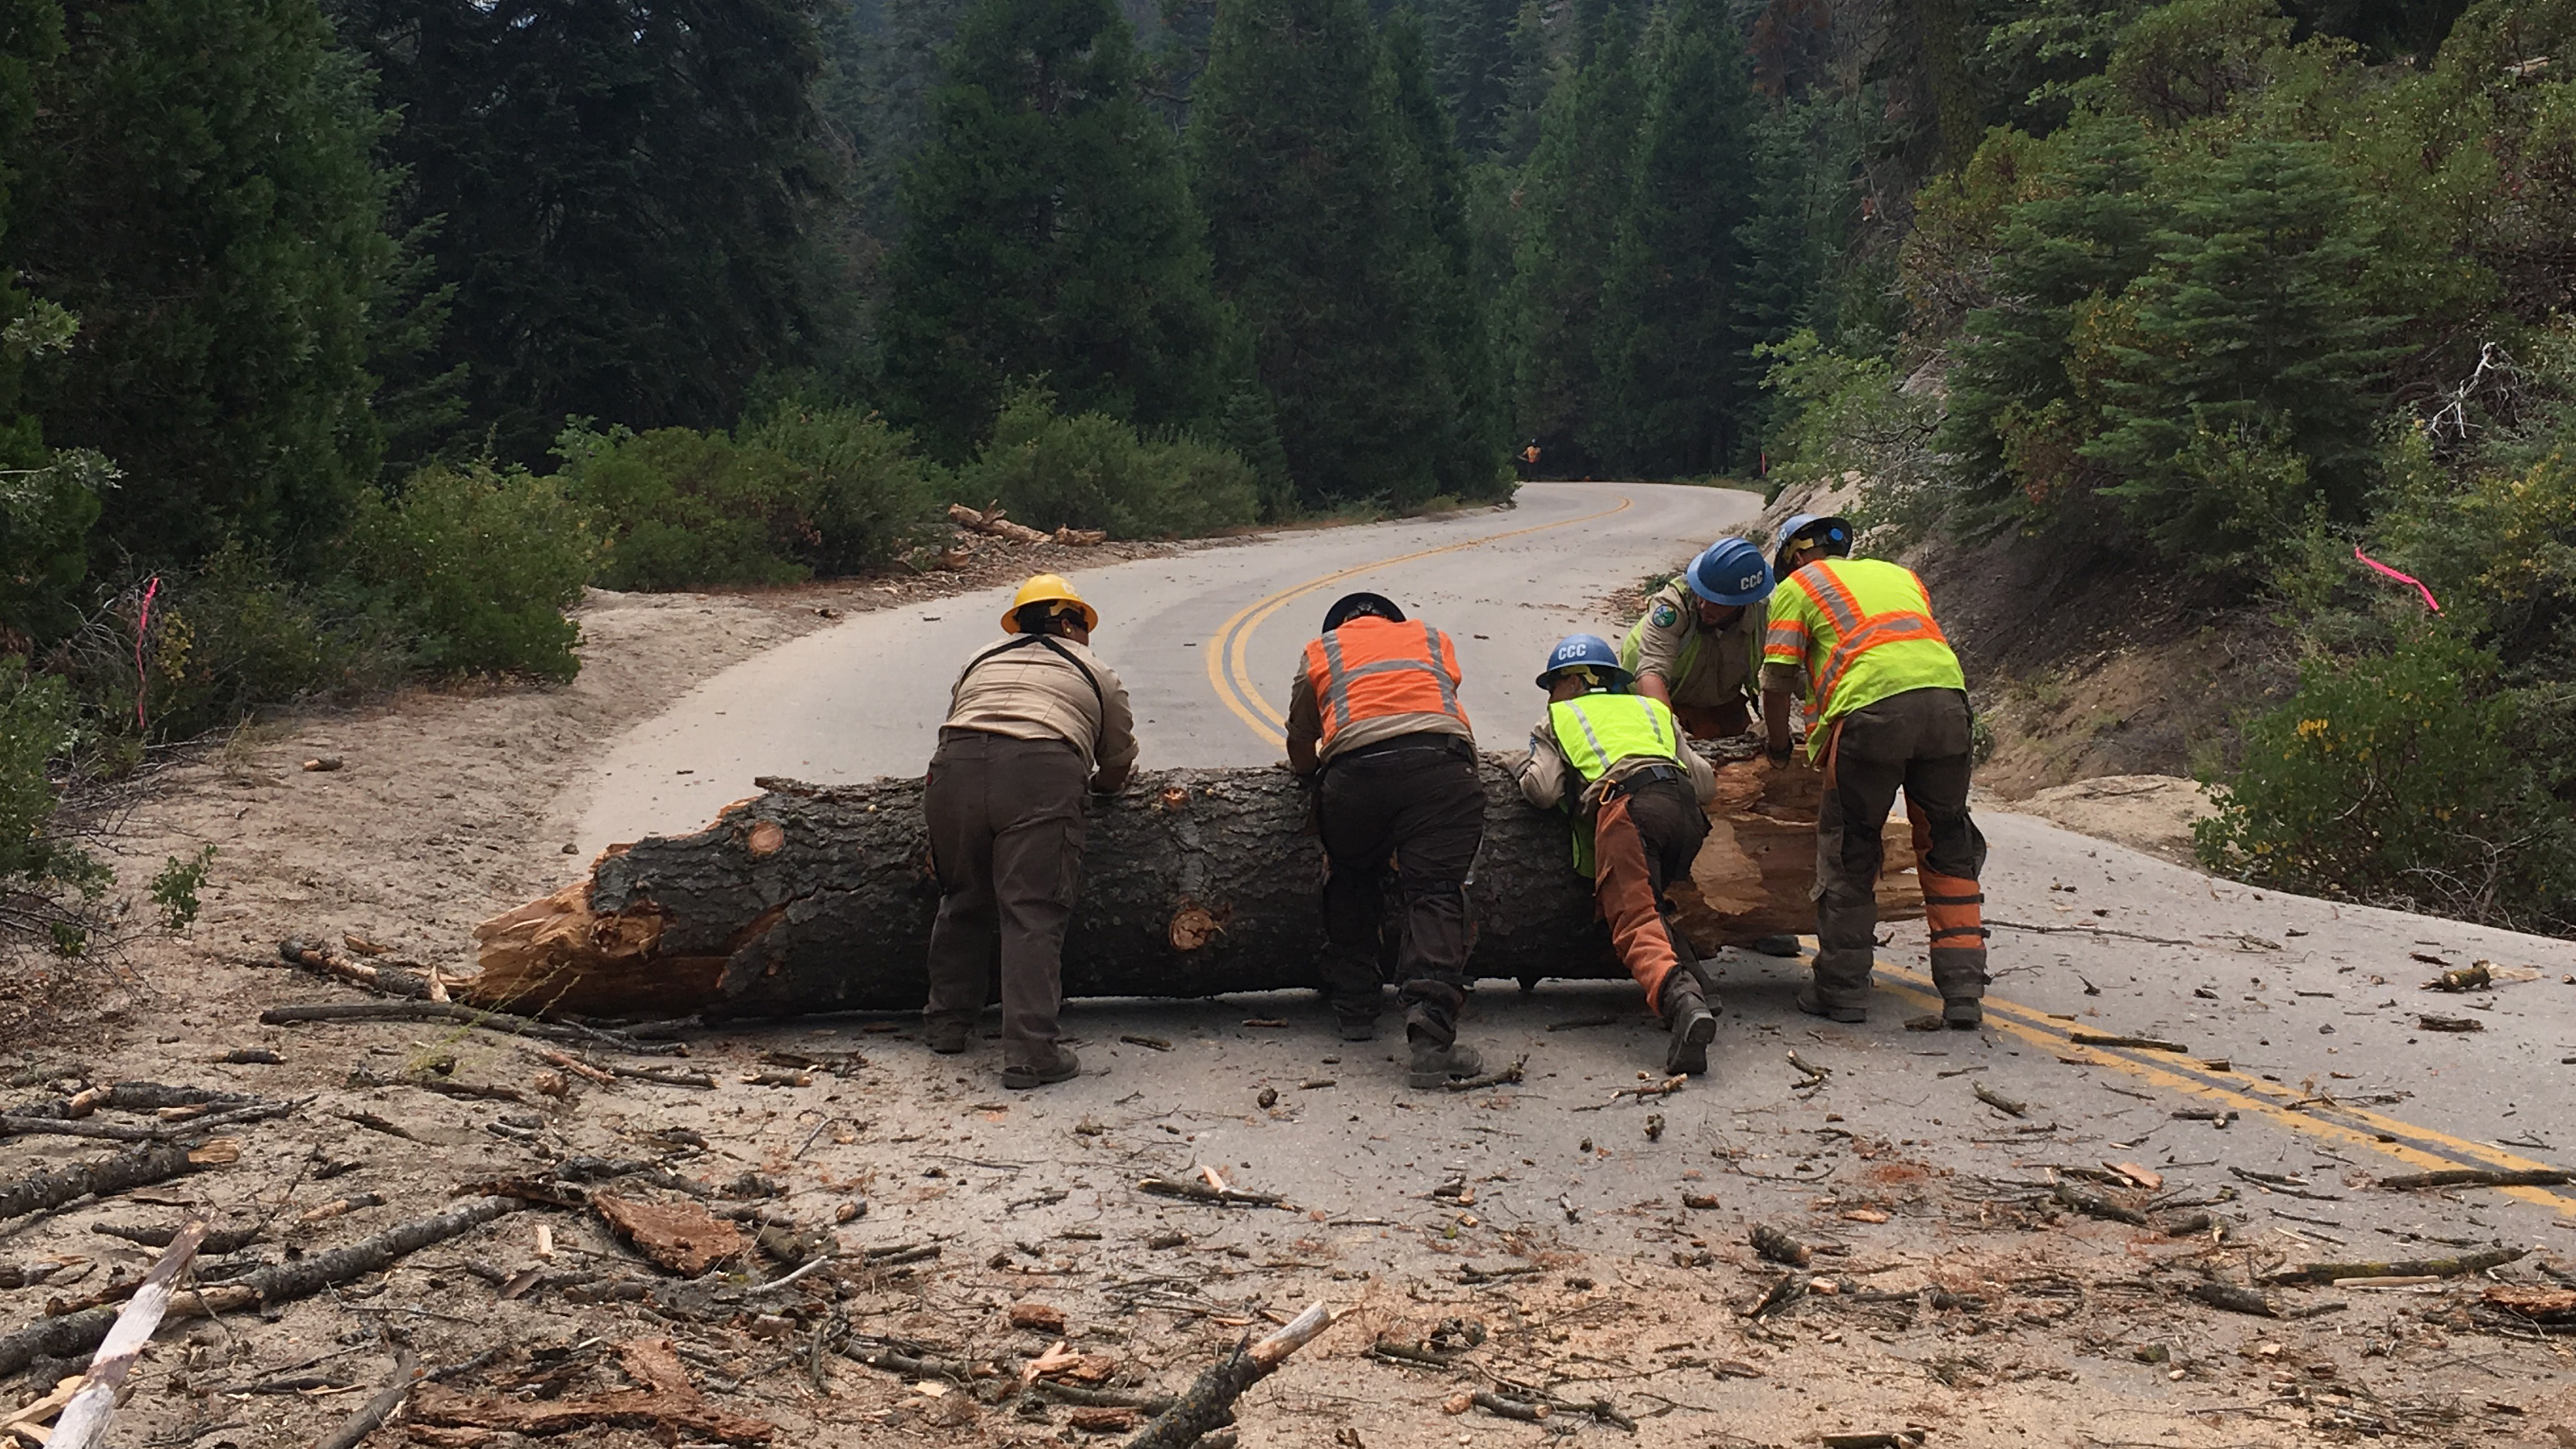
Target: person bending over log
1887	708
1374	716
1616	762
1698	643
1031	721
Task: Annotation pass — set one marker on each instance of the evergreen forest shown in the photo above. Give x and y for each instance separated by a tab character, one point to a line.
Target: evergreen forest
346	341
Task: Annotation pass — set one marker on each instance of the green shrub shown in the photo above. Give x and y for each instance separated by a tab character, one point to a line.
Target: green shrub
473	568
2407	778
41	875
1093	471
685	509
232	637
863	496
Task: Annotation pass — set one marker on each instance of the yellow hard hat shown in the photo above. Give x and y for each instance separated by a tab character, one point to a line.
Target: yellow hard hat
1047	589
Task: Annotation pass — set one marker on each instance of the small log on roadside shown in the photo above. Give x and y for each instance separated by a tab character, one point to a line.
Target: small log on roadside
2465	1263
2001	1103
991	523
302	1278
131	1097
1779	1247
109	1176
1209	1403
2478	1177
1499	1406
371	1415
83	1424
2450	1023
2463	978
163	1132
2231	1298
316	957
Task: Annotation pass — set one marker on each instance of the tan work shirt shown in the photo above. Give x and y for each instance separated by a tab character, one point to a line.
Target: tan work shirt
1306	722
1030	692
1548	779
1722	666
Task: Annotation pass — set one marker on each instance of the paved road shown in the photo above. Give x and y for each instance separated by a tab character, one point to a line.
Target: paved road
1206	641
2299	1015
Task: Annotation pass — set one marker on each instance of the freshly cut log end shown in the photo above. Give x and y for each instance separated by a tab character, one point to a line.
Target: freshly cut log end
813	898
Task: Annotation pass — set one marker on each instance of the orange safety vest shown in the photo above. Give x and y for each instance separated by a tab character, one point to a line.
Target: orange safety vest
1371	668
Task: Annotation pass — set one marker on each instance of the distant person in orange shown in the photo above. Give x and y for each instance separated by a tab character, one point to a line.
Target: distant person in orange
1529	459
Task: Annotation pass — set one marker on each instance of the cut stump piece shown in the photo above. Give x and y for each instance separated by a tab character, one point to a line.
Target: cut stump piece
811	898
680	1236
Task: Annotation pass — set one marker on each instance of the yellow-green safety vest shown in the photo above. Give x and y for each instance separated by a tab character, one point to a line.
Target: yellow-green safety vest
1596	731
1864	631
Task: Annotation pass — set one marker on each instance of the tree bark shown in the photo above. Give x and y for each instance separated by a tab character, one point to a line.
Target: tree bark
1195	883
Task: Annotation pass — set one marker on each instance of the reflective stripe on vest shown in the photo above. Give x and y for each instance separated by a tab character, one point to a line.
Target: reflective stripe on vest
1330	670
1593	746
1854	632
1892	628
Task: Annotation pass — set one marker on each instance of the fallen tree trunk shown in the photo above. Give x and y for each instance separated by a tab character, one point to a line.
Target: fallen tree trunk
1195	883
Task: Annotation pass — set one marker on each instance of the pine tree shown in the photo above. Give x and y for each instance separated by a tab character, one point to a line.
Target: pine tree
1674	370
625	200
197	189
1432	182
1573	192
45	512
1471	65
1783	243
1049	233
1294	157
2252	365
2018	419
1526	86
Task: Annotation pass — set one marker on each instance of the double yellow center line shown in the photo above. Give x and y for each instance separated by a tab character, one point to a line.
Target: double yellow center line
1229	670
2340	1123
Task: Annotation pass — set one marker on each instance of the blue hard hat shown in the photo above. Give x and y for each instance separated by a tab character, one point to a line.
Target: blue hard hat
1730	571
1831	530
1585	651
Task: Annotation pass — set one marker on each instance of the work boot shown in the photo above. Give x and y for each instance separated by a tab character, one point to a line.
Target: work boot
1773	945
1436	1064
1691	1024
1964	1013
947	1033
1357	1016
1813	1005
1063	1067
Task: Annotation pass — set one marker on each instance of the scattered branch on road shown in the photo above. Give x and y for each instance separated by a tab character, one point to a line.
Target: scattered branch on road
2465	1263
2479	1177
1209	1402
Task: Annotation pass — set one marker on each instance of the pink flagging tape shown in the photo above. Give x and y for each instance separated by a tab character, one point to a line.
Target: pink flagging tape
2429	601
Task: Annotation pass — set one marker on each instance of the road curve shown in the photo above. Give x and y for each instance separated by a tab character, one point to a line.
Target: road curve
1206	641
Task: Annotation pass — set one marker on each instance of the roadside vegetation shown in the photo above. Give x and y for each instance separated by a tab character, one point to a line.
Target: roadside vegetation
335	353
2224	294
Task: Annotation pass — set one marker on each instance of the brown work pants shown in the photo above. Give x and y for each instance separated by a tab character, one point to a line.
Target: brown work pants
1416	800
1642	841
1916	741
1006	832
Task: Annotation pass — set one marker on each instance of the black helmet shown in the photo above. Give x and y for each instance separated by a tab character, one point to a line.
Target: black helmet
1361	606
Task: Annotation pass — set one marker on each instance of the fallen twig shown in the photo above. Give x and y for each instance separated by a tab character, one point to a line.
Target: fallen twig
373	1413
2478	1177
1527	1413
321	960
160	1132
140	1168
84	1420
1210	1401
1504	1077
2232	1298
2133	1043
1999	1101
2465	1263
1779	1247
2094	1204
1190	1190
1664	1088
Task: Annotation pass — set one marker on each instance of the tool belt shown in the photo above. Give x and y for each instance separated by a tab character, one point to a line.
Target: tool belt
1627	784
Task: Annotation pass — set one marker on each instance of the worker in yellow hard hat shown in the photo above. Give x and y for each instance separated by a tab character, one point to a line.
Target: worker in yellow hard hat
1032	720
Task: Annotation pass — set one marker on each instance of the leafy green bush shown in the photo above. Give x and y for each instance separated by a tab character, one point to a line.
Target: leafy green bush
234	636
1093	471
39	724
2407	778
863	496
684	509
473	568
